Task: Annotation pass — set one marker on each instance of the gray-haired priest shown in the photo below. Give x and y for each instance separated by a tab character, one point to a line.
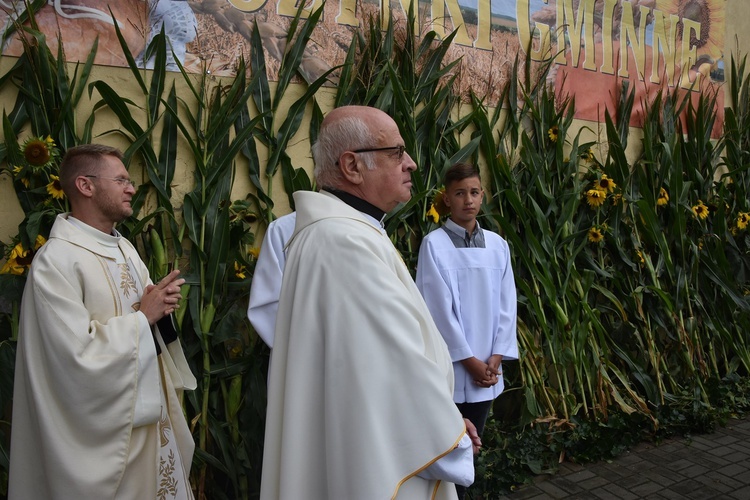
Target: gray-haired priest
360	398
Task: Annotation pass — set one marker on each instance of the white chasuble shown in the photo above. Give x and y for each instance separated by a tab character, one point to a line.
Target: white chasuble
360	386
96	413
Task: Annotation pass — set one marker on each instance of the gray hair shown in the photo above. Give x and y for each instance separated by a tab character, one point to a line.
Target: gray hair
345	134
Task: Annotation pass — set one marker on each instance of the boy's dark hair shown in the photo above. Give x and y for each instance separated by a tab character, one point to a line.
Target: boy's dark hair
459	172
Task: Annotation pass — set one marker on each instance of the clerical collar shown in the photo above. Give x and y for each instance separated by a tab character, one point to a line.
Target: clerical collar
358	204
110	243
109	240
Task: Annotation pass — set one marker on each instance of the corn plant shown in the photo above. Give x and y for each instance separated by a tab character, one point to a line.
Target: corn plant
411	79
632	271
273	132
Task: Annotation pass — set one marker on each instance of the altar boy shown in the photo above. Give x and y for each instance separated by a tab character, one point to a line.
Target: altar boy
465	276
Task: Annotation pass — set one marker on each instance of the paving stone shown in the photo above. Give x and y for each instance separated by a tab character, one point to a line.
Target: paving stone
704	493
566	485
585	495
744	477
694	470
645	467
678	465
612	472
713	462
741	446
669	494
620	492
628	459
742	493
580	476
734	470
725	440
603	494
593	483
686	487
722	486
722	451
663	478
647	488
664	455
737	457
703	441
552	490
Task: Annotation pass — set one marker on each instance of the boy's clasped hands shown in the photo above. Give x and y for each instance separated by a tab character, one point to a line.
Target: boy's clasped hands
484	374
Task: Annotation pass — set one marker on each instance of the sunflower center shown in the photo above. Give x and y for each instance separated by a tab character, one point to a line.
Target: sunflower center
698	11
36	153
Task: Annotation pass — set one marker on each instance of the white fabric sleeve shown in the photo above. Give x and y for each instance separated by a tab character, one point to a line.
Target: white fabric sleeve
148	390
505	342
437	295
174	361
456	467
266	285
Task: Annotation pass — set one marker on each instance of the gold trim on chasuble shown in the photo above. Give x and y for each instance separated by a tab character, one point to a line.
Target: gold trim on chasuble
400	483
116	300
171	468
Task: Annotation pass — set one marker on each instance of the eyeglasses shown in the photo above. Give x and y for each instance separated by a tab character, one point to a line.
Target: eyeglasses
400	150
122	181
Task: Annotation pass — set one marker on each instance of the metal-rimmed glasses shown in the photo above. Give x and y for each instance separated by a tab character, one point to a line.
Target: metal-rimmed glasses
122	181
400	150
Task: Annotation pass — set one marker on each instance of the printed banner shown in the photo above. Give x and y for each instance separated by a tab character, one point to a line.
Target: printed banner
596	44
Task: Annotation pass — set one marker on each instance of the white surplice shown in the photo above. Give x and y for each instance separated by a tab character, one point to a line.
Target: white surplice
360	391
471	294
96	414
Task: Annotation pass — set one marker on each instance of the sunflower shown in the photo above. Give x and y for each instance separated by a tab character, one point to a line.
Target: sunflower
700	210
433	215
234	348
18	173
54	188
742	220
254	252
438	201
617	199
663	198
641	260
36	152
239	270
39	241
588	155
19	259
605	184
553	133
710	15
595	234
595	198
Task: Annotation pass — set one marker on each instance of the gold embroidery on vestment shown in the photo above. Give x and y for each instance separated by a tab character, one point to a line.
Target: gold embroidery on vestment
167	481
127	282
165	428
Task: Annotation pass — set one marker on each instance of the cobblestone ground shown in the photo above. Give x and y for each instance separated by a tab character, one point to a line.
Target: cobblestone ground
709	466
